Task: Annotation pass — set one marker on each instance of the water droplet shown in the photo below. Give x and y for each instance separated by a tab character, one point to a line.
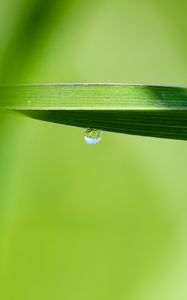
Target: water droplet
92	136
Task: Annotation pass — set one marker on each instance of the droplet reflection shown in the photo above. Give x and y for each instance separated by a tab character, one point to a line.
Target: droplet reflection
92	136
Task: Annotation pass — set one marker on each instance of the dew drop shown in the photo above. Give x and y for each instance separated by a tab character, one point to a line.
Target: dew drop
92	136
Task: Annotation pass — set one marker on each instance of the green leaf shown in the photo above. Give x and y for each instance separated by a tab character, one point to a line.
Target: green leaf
134	109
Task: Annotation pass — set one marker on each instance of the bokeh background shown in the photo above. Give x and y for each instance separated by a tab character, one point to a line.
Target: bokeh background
80	221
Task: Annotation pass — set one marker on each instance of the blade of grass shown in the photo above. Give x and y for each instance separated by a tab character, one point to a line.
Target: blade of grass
134	109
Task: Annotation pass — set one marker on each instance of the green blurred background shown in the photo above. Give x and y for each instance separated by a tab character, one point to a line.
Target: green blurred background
80	221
